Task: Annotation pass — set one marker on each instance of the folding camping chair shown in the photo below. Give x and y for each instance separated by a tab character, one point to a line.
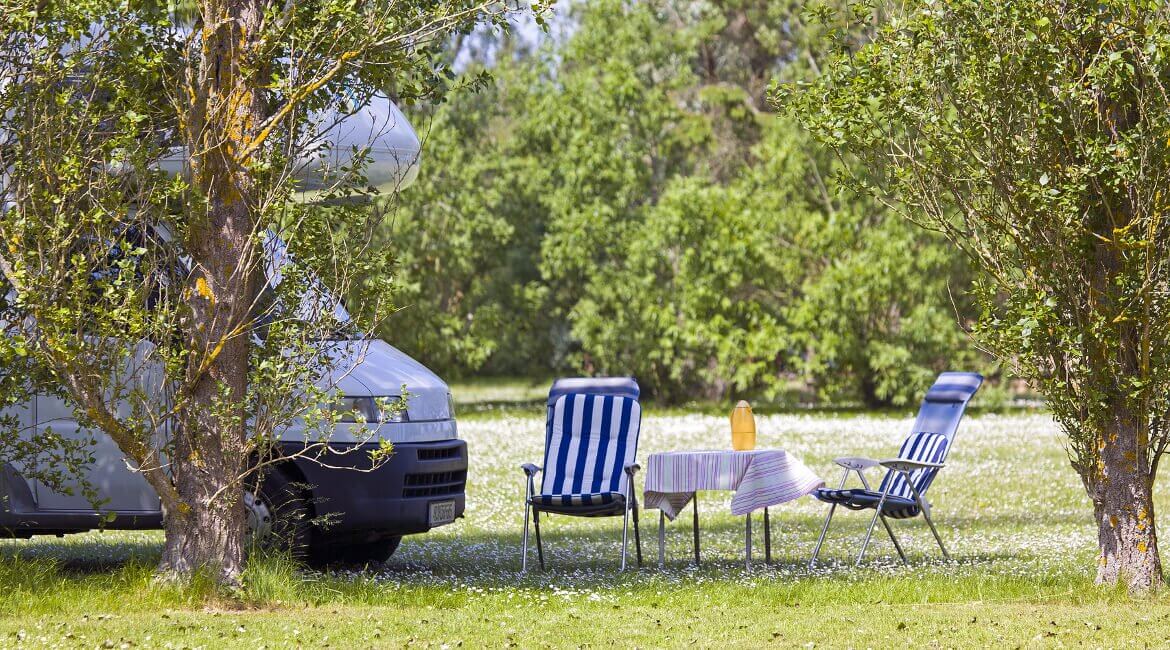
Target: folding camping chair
591	440
902	493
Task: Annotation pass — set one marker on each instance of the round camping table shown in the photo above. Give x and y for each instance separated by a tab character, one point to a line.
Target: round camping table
760	478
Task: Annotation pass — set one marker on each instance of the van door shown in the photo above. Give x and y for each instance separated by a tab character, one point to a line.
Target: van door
120	488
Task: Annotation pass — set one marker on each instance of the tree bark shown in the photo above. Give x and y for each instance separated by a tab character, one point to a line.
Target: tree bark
1121	487
205	528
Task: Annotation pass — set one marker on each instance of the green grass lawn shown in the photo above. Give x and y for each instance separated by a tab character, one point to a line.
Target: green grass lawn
1010	509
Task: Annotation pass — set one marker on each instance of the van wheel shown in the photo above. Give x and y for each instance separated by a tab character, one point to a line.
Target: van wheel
278	517
363	553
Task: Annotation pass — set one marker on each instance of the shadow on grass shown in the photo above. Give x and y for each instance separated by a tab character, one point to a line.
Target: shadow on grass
573	544
88	553
576	551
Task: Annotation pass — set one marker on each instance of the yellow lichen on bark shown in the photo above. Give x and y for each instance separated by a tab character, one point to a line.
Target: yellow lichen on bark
204	290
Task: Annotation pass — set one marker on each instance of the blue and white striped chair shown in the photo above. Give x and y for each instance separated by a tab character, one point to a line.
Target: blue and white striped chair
902	493
591	440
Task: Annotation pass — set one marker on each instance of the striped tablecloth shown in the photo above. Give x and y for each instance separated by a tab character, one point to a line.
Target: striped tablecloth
760	478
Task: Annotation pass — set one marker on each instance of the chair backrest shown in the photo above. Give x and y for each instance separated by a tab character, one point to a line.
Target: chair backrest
620	386
934	430
623	386
945	402
590	438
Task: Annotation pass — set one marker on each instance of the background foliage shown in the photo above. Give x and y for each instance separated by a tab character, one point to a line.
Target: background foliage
621	198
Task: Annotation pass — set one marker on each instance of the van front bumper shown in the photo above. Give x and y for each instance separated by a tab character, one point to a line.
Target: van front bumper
354	499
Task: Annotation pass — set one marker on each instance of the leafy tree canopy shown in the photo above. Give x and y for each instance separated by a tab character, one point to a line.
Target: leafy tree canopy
625	201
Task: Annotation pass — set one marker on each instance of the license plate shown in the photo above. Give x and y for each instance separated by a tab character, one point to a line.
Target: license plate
441	512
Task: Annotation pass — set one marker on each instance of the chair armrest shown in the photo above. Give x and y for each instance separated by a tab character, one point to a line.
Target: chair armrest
631	468
530	470
856	463
903	465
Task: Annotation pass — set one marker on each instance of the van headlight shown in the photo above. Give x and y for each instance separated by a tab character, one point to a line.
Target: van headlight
450	406
395	416
371	410
392	409
355	409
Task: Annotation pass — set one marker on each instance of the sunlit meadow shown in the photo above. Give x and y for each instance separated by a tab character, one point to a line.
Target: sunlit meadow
1010	510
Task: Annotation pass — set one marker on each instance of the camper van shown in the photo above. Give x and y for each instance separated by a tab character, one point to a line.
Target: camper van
357	516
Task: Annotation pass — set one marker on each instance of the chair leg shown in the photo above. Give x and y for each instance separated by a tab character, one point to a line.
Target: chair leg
924	507
877	512
934	530
637	536
767	538
524	542
895	541
832	508
625	534
539	546
821	540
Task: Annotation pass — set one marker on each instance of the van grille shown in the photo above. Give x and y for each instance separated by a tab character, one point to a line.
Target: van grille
442	453
434	484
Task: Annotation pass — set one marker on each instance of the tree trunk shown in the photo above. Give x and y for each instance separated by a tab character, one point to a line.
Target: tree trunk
205	529
1121	488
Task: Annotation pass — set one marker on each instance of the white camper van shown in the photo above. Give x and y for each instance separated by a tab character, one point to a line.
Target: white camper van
419	487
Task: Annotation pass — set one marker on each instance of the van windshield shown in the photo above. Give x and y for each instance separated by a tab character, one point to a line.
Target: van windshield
318	303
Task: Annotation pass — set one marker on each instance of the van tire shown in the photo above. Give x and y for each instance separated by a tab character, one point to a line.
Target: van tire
285	512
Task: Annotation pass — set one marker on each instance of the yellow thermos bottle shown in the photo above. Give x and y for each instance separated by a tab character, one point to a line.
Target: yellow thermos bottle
743	427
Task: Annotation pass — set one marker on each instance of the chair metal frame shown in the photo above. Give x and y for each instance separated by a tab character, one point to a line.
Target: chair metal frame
951	390
899	465
532	512
625	387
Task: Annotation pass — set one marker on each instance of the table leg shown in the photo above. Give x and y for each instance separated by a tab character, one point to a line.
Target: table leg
747	543
695	505
661	539
767	538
